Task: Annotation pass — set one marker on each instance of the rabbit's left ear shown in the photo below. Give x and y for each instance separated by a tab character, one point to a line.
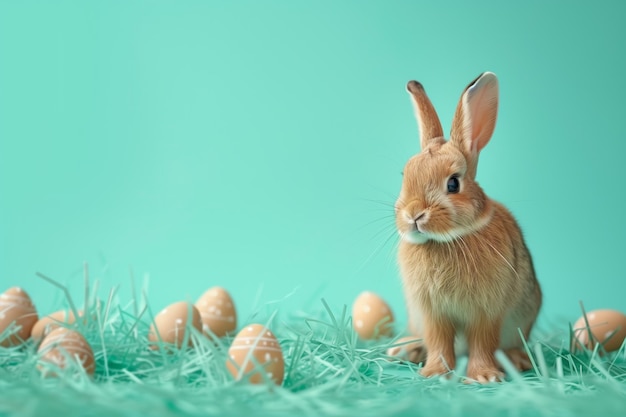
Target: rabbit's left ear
427	119
475	117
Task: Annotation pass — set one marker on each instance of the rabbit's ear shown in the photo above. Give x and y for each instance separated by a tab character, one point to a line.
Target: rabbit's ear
429	125
475	117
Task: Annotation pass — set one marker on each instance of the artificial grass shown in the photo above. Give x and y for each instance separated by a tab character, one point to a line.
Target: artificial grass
328	371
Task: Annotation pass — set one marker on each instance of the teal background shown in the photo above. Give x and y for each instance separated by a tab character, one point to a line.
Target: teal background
255	145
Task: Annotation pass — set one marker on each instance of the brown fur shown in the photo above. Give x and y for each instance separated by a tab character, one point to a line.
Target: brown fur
467	273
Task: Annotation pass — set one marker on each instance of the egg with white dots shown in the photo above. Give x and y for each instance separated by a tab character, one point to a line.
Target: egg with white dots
217	311
17	316
371	316
171	325
607	327
256	356
65	349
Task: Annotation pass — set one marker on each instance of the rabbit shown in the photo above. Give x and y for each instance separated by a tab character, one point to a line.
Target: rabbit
467	274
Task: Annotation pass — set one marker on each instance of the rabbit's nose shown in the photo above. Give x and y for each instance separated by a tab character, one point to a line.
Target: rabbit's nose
419	219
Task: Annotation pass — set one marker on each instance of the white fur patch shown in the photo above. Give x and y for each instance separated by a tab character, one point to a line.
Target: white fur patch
415	237
479	224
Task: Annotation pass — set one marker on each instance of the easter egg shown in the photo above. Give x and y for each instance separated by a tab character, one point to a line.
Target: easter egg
255	351
50	322
16	308
171	324
607	327
371	316
217	311
65	348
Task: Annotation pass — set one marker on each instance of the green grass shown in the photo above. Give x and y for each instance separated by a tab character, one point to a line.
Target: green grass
328	371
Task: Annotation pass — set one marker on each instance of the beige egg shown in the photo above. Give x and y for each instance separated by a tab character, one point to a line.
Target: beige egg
607	327
16	308
371	316
50	322
254	351
217	311
171	324
61	346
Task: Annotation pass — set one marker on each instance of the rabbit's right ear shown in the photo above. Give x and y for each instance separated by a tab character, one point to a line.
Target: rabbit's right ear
427	119
475	117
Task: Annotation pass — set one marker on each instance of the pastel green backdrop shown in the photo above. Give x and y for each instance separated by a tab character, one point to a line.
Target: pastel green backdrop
258	145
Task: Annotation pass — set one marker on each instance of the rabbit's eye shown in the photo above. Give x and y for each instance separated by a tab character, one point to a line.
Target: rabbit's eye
453	185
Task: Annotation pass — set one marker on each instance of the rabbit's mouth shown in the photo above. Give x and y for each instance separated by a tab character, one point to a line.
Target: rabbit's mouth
415	236
418	235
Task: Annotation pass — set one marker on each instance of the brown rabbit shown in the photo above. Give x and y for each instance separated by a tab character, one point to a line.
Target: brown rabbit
468	276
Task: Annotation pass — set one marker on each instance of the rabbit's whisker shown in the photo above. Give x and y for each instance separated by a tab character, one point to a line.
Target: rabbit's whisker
503	258
460	247
395	248
384	230
381	202
450	249
469	252
377	220
377	250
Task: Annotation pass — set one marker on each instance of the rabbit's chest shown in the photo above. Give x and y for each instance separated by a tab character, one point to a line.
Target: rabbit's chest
450	280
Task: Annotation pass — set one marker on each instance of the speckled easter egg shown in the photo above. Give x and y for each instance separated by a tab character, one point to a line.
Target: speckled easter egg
171	324
16	308
371	316
64	347
607	327
217	311
256	341
50	322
